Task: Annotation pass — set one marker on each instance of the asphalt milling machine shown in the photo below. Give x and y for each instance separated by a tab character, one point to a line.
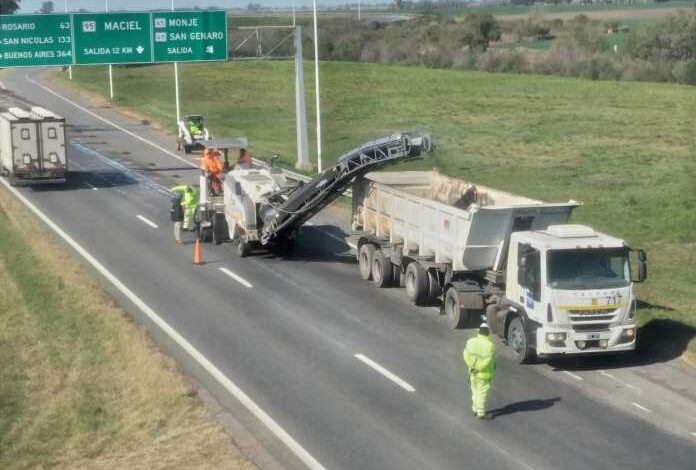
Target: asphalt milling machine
260	206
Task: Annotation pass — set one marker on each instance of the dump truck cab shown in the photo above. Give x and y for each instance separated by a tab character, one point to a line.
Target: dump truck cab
569	290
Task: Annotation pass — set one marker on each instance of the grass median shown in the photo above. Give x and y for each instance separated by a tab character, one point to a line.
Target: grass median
82	386
625	149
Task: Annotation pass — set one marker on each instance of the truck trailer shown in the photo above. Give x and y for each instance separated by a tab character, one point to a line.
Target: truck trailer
547	287
32	146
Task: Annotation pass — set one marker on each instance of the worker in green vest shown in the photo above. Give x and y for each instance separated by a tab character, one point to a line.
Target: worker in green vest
479	356
194	128
189	202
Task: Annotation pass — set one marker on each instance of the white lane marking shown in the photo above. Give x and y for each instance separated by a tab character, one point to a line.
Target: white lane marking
391	376
237	278
195	354
2	86
148	222
613	377
575	376
693	434
113	124
641	407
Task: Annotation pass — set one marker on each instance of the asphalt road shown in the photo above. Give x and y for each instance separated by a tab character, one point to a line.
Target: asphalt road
359	377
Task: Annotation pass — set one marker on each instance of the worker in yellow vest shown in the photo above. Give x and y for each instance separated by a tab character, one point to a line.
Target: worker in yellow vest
479	356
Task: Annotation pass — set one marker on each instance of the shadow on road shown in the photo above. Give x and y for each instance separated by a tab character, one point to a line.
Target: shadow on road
78	180
524	406
660	340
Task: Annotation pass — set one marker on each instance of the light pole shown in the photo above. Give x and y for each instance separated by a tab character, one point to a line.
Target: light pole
316	83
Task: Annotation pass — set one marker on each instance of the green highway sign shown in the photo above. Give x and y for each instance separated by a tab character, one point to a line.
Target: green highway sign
31	40
189	36
112	38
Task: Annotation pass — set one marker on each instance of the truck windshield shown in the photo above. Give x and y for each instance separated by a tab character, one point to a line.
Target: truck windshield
588	269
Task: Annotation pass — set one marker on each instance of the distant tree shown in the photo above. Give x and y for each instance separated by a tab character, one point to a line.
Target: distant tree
253	7
479	29
7	7
47	7
399	4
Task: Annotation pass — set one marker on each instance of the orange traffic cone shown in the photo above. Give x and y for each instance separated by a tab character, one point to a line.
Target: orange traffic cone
197	252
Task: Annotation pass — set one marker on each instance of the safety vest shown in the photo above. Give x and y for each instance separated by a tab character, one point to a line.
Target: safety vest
189	199
479	355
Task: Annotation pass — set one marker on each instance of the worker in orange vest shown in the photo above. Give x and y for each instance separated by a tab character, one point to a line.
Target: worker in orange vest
245	161
212	168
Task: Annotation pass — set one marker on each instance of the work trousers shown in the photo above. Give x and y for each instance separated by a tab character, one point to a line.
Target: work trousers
189	214
479	394
177	232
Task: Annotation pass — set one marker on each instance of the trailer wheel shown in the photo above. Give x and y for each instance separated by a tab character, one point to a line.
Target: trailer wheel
365	257
416	283
517	340
381	270
397	276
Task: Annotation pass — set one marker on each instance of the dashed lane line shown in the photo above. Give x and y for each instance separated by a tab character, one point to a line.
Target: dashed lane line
390	375
237	278
195	354
575	376
641	407
616	379
147	221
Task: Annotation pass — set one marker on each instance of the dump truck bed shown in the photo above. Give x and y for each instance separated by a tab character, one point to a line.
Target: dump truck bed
445	219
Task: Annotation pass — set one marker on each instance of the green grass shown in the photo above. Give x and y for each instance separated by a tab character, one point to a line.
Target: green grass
625	149
80	385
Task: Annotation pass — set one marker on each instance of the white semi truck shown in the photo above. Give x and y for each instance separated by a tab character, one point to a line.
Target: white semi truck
32	146
547	287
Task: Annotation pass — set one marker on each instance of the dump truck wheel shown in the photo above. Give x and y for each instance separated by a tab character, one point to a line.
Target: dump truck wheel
381	270
365	257
434	289
416	283
456	316
517	340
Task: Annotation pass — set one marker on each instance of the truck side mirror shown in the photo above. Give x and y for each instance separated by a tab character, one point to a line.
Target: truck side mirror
642	273
237	188
522	265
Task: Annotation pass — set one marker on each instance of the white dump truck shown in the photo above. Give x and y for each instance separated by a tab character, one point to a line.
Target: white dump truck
546	286
32	146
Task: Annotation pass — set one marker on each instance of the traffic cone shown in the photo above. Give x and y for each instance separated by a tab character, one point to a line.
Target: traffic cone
197	252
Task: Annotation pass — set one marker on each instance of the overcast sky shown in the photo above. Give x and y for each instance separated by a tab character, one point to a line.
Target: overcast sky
30	6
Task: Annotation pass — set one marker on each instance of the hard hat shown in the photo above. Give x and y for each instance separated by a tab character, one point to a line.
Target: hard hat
483	328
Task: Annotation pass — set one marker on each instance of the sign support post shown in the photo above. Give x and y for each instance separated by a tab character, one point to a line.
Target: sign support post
316	84
111	71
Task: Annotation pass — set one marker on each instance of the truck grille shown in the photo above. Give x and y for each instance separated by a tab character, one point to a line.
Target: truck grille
591	327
